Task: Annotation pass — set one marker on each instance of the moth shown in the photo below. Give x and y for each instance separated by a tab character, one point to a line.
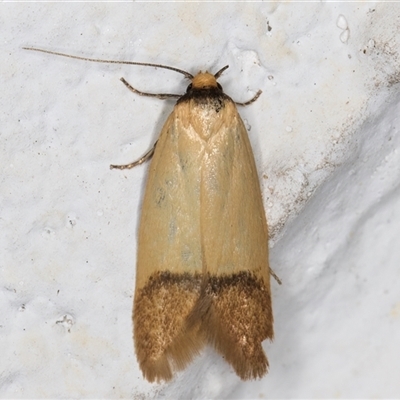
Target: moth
202	275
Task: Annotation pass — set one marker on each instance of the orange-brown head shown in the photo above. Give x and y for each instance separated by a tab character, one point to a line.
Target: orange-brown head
204	80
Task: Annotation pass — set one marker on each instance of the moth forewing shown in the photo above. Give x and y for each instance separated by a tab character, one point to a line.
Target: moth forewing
169	269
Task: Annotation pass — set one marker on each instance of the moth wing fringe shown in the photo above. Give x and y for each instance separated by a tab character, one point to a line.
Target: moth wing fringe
156	370
175	358
185	348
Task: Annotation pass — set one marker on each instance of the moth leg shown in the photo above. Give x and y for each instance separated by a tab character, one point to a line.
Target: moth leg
252	100
141	160
274	275
161	96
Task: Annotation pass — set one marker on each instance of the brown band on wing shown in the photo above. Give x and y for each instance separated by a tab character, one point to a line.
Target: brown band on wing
160	311
235	315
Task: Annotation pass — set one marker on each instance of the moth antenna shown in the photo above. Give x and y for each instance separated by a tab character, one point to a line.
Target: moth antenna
219	73
186	74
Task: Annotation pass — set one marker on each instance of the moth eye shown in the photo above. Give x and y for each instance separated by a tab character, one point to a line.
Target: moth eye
189	88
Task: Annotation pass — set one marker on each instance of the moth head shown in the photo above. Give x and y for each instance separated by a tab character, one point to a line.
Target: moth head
205	80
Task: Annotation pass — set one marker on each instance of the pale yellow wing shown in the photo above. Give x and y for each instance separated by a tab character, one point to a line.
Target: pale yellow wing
169	265
234	309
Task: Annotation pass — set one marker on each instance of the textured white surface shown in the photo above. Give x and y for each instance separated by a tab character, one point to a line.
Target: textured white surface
326	129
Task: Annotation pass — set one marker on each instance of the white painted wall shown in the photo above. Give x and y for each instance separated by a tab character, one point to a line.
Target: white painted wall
325	134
